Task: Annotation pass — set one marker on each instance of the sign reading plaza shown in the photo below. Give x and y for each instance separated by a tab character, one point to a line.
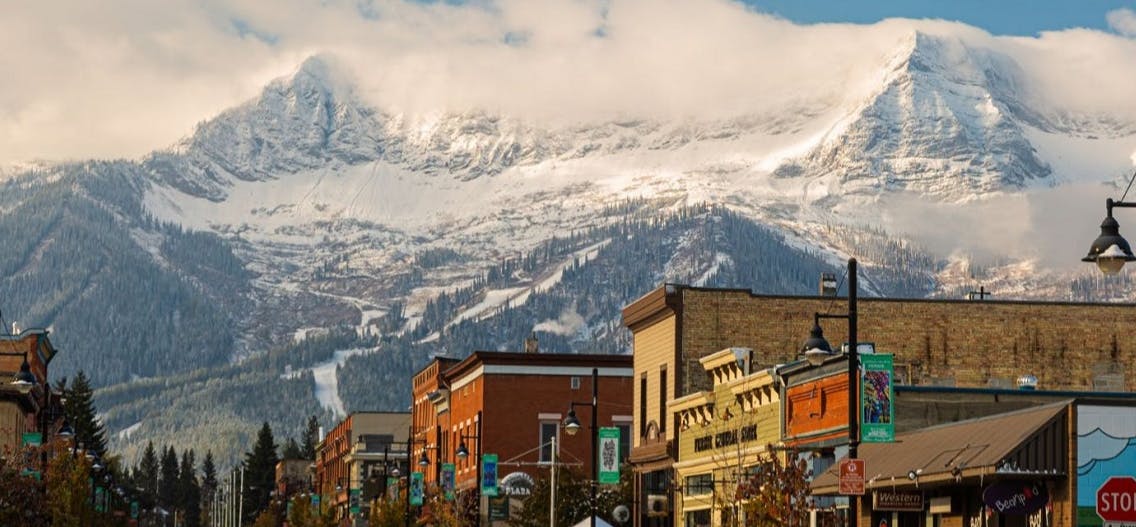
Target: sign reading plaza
608	456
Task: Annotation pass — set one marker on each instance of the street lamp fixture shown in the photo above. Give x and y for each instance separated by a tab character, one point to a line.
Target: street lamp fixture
463	452
572	425
816	349
1110	251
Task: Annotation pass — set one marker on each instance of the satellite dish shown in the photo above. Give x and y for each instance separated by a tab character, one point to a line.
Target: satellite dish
621	513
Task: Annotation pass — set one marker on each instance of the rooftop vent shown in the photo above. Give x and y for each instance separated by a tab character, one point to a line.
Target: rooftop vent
532	345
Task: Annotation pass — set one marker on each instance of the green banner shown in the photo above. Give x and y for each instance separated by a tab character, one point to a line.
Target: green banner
33	439
877	420
134	509
489	474
353	500
608	456
448	480
417	480
392	488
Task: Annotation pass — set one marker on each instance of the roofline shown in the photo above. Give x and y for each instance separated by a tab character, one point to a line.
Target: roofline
536	359
1012	391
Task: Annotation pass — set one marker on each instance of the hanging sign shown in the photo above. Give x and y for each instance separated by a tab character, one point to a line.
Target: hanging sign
877	422
489	474
392	488
1015	497
353	500
448	480
416	483
608	456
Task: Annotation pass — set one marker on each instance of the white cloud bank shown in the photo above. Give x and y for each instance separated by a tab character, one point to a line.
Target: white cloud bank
125	77
1122	21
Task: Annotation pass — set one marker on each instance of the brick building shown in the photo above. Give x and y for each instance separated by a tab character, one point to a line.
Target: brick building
355	456
1069	346
521	400
26	407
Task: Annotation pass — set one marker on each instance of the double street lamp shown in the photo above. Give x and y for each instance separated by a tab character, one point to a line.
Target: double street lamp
816	349
572	425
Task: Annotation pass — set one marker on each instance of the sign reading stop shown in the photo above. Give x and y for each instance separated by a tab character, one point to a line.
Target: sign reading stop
1116	501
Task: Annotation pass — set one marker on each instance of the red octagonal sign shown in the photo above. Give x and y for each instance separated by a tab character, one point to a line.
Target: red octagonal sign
1116	500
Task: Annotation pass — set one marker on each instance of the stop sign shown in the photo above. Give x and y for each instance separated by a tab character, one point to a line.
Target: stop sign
1116	499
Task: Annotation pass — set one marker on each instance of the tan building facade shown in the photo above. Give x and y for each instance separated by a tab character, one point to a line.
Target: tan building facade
1070	346
725	431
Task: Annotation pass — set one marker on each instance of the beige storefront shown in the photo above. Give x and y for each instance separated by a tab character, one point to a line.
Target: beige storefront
723	432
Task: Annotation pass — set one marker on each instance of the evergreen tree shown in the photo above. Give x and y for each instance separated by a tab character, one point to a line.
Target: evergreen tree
189	490
79	408
146	475
260	473
311	439
208	486
168	484
291	450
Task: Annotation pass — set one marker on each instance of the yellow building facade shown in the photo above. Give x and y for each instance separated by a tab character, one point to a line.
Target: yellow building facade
724	432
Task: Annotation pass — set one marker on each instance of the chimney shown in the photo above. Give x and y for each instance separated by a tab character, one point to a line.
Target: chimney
827	284
532	345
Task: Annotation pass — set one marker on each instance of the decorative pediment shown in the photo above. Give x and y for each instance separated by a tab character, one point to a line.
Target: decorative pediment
727	365
755	390
696	408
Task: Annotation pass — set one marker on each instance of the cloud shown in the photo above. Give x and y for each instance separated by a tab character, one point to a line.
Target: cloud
1122	21
569	323
124	77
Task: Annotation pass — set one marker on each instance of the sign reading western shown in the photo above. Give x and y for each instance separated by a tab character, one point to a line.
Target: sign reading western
609	456
877	422
489	474
1116	501
1015	497
894	500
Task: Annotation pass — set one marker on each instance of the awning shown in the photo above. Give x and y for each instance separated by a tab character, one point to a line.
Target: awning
1027	443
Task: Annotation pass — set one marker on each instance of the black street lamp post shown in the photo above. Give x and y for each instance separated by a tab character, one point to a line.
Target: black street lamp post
572	425
1110	251
817	349
463	452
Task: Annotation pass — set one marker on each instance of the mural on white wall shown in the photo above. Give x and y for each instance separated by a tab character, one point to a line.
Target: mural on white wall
1106	447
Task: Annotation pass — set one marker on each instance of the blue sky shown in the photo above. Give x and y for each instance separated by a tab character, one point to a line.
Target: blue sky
999	17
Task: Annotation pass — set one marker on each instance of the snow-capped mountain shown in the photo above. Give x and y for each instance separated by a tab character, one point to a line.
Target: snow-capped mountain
309	208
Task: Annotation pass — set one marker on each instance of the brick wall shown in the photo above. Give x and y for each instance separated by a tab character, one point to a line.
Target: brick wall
972	343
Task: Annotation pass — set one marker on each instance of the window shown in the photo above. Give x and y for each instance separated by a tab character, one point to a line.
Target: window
643	405
663	400
698	485
700	518
548	430
575	383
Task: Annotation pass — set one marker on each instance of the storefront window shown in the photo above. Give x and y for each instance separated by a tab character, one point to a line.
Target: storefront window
699	518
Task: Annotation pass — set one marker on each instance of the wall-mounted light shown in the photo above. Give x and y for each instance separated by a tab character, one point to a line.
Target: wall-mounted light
912	474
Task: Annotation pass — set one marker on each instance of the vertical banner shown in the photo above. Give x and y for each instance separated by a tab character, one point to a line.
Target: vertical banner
392	488
448	480
316	501
489	474
608	456
416	488
99	501
877	422
353	500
